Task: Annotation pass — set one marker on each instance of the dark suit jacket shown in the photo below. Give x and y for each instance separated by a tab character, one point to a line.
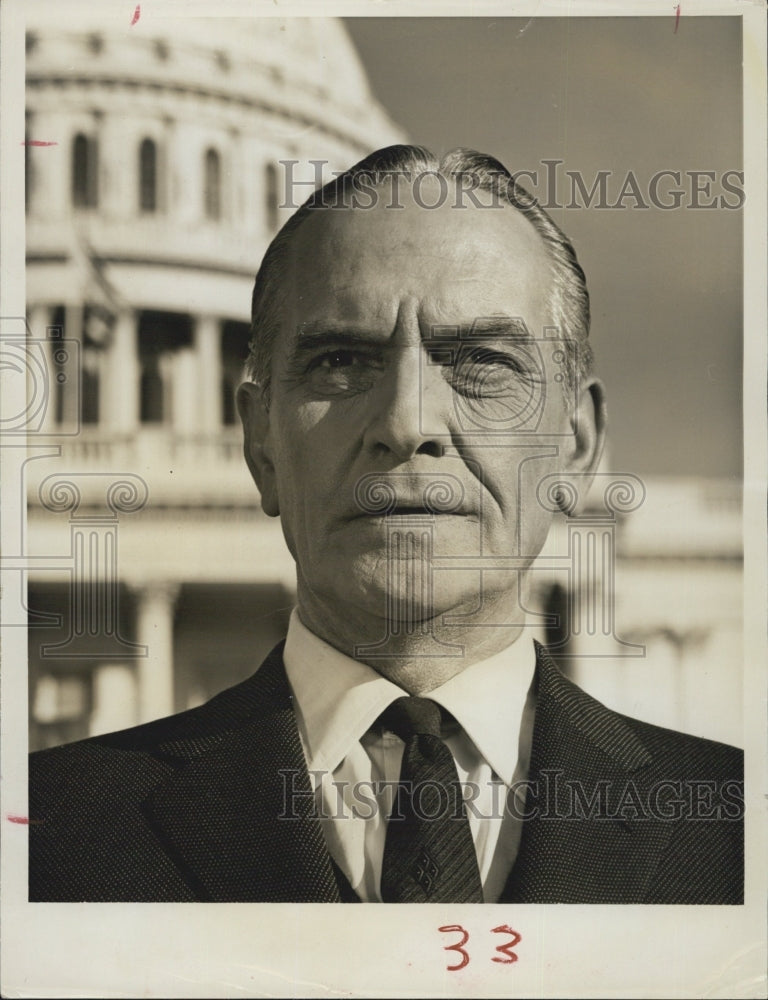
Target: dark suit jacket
188	808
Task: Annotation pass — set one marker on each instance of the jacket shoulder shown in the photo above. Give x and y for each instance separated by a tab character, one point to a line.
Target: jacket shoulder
144	753
629	740
225	711
694	755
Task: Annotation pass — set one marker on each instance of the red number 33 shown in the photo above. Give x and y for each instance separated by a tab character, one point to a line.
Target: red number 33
508	956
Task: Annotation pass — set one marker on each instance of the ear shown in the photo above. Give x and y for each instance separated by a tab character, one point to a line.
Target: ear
254	415
588	423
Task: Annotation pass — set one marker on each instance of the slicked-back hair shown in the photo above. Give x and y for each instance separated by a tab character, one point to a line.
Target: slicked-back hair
468	170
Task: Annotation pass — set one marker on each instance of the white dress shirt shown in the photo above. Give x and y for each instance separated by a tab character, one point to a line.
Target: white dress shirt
354	770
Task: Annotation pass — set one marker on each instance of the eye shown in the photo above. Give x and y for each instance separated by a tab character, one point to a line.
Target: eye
343	371
335	359
481	372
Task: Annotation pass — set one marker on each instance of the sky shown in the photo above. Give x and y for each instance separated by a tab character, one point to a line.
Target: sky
628	96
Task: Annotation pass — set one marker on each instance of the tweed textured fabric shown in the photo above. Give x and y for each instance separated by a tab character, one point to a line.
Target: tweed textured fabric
620	811
215	804
429	854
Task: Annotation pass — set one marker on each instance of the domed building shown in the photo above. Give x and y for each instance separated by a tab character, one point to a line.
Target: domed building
161	159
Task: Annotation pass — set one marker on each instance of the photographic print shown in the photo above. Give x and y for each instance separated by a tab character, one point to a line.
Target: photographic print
383	449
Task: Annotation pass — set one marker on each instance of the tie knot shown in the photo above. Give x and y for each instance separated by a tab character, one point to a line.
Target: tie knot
408	717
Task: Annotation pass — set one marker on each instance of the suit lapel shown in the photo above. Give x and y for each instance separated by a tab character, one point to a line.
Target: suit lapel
237	816
571	851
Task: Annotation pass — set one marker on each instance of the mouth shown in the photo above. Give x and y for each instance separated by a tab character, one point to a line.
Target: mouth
406	510
409	510
420	496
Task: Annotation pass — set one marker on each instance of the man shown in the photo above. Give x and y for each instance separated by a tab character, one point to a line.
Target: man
419	369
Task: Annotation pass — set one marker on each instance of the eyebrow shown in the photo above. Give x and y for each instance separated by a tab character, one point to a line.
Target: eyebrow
310	338
484	328
309	341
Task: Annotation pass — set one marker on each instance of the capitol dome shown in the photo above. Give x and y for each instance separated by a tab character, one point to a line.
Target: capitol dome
176	143
162	156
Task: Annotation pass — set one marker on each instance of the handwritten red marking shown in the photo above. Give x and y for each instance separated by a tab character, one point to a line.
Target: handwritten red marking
18	819
677	17
136	14
458	929
504	948
38	142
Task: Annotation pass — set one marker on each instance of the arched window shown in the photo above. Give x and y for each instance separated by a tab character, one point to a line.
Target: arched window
85	171
212	189
148	176
271	195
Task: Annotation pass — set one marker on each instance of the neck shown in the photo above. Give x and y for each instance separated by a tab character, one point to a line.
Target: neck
420	655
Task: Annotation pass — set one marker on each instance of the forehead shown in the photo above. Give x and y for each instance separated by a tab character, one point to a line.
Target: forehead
452	264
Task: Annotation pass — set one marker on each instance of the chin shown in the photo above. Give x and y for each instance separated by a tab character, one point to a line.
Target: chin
404	593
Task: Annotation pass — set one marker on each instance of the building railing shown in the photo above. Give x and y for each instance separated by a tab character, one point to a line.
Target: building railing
98	446
151	238
696	517
188	468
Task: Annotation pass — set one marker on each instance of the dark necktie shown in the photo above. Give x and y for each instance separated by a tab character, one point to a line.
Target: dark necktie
429	855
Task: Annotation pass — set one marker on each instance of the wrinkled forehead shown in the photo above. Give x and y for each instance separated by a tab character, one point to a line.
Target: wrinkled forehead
456	263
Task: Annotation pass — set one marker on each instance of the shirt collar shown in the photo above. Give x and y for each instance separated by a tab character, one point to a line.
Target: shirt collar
488	698
339	699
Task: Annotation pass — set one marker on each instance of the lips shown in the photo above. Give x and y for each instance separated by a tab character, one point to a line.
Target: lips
420	510
410	509
415	495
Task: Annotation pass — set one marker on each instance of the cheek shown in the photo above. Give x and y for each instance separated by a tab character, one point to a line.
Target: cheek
555	417
535	502
309	462
519	487
295	440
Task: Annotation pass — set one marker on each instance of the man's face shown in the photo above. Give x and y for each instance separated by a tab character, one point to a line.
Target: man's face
404	396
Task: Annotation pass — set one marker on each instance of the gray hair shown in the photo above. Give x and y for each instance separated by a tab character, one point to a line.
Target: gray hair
569	298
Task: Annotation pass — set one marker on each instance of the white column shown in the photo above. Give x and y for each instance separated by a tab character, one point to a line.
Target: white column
208	351
108	179
166	183
154	629
184	397
122	398
235	178
114	698
51	165
186	174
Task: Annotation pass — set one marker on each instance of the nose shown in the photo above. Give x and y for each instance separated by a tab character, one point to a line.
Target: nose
406	416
